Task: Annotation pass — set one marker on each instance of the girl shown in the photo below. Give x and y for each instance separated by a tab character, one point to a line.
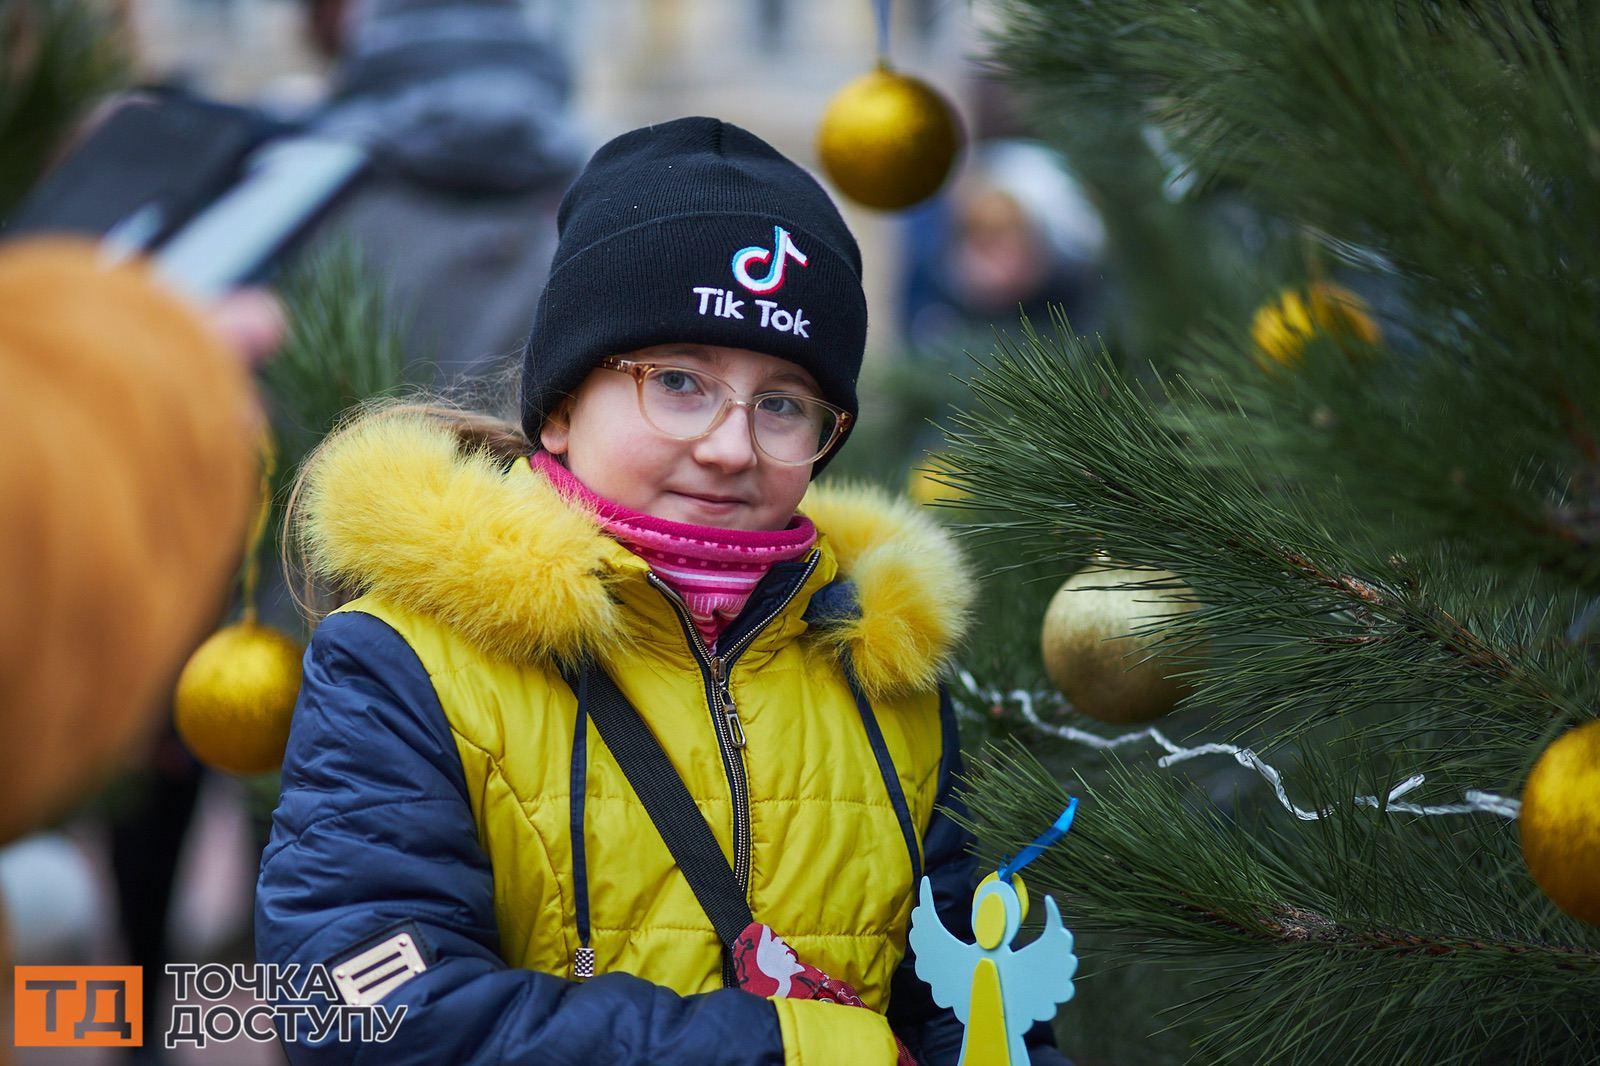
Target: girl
456	837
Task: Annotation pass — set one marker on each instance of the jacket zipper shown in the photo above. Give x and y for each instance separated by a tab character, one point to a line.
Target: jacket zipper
715	670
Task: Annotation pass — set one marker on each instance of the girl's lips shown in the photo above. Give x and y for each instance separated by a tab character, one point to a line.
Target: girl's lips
711	501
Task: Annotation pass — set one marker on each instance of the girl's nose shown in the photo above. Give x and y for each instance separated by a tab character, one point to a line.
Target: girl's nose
729	445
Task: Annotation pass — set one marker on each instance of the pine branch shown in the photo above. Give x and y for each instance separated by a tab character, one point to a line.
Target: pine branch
1354	915
1447	147
1426	443
1393	547
345	346
1296	628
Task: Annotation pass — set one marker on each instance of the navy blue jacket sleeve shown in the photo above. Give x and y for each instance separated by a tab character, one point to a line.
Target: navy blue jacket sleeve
374	830
931	1032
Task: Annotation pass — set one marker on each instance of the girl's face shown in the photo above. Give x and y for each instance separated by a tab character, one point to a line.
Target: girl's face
718	480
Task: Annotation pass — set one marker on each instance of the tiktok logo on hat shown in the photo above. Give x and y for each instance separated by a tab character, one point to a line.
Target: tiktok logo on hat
775	258
717	302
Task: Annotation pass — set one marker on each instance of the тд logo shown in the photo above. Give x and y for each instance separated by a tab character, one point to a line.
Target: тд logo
78	1006
781	251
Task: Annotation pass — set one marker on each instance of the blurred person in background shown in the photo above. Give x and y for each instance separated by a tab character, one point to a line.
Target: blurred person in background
465	103
1014	235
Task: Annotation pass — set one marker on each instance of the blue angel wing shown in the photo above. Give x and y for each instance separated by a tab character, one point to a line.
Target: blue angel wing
1038	978
944	963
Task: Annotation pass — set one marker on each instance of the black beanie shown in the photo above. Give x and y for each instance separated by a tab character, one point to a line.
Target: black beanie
700	232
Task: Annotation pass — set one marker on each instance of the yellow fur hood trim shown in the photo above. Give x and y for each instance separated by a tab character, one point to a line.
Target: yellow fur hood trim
393	508
911	584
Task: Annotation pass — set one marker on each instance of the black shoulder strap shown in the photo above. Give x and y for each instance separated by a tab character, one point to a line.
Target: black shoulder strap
664	796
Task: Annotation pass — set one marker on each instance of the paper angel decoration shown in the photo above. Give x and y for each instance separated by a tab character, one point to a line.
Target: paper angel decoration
996	993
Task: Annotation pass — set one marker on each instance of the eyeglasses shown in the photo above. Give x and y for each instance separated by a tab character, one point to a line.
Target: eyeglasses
787	427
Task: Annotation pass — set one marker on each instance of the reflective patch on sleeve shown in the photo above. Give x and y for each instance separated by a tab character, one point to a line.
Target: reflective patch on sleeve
374	972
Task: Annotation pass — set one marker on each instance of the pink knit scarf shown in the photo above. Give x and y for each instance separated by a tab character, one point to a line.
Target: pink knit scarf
713	569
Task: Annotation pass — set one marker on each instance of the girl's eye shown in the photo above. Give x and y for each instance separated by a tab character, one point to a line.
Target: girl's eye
680	381
783	406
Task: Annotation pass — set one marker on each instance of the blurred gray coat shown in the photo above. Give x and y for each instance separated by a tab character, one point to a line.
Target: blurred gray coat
465	103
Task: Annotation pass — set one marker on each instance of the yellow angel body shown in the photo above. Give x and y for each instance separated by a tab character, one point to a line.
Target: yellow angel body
996	992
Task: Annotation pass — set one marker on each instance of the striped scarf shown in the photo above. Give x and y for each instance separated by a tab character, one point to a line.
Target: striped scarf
713	569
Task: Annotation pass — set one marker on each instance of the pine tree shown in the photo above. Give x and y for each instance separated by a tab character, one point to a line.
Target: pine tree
1392	539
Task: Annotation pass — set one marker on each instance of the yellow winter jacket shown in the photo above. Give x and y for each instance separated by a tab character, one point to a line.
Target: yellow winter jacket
492	578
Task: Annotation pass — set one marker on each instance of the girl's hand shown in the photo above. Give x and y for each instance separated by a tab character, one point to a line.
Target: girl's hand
251	321
765	966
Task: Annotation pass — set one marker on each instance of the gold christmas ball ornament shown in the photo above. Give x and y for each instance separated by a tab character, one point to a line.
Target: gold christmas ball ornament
1282	329
887	140
1561	822
235	698
923	484
1095	658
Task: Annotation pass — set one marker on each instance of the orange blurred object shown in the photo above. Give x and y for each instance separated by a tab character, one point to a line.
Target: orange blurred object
129	437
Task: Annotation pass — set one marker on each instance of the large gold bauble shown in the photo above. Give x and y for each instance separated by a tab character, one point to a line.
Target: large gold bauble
1282	329
1092	654
236	696
887	140
1561	822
